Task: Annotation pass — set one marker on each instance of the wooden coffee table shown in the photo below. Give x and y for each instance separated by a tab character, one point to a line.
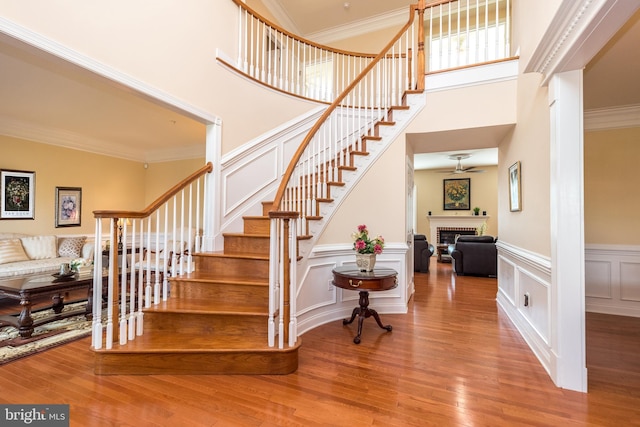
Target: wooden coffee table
26	288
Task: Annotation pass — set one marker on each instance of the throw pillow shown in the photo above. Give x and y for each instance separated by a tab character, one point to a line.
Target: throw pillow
40	247
11	250
71	246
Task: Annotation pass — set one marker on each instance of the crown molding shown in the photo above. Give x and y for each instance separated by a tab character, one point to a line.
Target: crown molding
280	13
571	39
357	28
612	118
66	139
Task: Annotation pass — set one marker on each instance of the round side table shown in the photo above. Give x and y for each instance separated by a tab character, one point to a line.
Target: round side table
351	278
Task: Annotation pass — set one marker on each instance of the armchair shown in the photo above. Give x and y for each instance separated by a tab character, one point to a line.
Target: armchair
422	252
474	255
162	260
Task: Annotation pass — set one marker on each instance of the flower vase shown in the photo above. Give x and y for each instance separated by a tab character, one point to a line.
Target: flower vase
365	262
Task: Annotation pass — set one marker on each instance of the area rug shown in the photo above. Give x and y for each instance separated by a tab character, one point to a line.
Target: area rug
44	337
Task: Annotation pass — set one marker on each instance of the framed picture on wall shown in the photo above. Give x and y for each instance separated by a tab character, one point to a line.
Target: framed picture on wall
515	196
17	193
457	194
68	206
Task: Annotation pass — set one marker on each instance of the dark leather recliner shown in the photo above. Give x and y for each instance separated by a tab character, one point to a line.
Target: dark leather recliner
474	255
422	252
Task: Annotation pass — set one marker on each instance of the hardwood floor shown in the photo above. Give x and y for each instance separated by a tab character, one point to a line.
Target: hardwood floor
453	360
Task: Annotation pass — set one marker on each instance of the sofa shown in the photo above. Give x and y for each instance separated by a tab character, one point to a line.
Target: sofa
23	254
422	252
474	255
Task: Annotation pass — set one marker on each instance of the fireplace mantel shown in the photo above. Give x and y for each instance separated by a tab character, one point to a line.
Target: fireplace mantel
436	221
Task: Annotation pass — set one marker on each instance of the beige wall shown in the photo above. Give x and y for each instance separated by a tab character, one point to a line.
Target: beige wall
160	177
106	182
377	201
484	194
529	144
611	182
176	52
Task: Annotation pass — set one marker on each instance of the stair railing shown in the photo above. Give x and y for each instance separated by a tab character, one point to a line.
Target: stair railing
150	246
462	33
271	55
340	133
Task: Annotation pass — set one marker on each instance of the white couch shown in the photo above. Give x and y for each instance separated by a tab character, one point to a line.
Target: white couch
22	254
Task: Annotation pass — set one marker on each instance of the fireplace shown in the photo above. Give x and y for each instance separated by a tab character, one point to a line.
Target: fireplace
447	235
451	225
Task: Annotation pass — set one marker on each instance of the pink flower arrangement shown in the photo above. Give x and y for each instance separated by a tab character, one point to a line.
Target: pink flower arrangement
364	245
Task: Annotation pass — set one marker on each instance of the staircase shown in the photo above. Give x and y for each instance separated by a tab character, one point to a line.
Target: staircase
215	321
216	318
220	318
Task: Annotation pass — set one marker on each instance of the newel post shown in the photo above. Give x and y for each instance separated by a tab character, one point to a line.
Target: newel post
284	274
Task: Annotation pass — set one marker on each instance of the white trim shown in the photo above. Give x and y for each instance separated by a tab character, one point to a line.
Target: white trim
472	76
627	116
358	28
578	31
123	80
612	285
567	299
281	15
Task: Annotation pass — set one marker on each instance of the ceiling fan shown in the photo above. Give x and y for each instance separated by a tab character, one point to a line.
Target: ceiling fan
459	168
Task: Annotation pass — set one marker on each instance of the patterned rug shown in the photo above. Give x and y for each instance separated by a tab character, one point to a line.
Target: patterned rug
45	336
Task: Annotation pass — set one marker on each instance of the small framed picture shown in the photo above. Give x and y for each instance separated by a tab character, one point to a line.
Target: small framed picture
17	193
515	195
68	206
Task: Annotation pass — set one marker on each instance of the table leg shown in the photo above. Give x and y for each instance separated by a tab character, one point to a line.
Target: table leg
25	321
88	314
363	311
58	303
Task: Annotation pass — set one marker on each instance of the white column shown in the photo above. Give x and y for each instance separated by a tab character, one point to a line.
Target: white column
567	231
211	219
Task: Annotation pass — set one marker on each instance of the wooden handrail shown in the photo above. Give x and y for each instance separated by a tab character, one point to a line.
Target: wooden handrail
159	201
301	39
337	102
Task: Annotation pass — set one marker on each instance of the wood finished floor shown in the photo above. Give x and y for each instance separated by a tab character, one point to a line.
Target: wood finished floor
453	360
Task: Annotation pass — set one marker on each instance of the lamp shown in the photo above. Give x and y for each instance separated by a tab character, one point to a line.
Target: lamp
121	223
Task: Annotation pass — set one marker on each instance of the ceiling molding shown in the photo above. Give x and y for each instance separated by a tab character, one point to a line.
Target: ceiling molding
281	15
66	139
363	26
612	118
578	31
118	78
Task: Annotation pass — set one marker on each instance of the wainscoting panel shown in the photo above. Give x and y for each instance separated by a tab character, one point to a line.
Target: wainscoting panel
630	281
319	302
523	273
612	279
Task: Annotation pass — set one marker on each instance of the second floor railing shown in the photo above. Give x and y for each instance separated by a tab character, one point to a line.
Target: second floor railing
451	34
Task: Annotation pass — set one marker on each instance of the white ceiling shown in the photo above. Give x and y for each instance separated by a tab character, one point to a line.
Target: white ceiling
48	100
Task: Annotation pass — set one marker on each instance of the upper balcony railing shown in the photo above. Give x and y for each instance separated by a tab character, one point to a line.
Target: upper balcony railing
455	34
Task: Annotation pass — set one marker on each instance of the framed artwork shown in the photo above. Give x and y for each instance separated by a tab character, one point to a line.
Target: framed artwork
515	195
68	206
457	194
17	193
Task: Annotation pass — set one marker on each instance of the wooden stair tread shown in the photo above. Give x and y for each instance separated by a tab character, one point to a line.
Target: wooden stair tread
193	343
220	254
203	276
246	235
207	306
